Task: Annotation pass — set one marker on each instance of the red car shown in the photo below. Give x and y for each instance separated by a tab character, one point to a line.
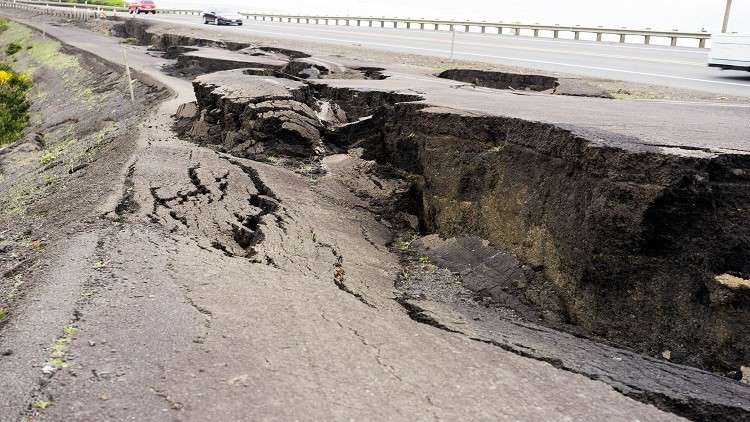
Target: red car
143	6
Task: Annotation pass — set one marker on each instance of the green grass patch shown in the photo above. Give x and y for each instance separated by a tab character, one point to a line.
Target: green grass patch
51	154
37	51
41	404
13	48
14	104
48	157
3	314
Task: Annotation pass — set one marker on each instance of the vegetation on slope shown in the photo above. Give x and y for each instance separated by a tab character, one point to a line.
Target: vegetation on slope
14	104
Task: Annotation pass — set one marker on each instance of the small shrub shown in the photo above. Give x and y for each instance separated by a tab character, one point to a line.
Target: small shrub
14	106
3	314
3	25
47	157
41	404
13	48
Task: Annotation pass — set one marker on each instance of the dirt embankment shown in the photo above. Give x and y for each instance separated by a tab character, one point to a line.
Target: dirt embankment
633	246
81	112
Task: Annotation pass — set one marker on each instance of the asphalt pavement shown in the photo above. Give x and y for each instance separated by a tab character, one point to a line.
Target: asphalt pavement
676	67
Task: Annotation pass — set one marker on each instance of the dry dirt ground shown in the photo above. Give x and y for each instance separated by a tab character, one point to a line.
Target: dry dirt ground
134	294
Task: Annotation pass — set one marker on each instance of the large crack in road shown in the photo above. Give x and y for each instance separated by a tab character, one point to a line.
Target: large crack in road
276	277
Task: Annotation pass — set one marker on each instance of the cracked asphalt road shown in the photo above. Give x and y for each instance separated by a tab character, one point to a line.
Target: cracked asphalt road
182	324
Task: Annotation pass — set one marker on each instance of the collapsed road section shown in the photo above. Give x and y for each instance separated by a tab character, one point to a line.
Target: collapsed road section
582	257
627	242
615	238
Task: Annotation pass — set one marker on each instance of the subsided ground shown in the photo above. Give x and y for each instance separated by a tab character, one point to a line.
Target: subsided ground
252	247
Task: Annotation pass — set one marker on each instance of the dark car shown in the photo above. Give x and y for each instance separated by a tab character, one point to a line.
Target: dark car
222	17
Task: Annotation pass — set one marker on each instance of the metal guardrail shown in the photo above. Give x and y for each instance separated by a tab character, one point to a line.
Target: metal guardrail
501	28
50	4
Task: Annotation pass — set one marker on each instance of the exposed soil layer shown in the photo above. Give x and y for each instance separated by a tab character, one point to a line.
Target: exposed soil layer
251	116
501	80
439	287
628	245
525	82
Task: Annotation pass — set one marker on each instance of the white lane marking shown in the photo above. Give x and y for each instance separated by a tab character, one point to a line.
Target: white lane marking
507	58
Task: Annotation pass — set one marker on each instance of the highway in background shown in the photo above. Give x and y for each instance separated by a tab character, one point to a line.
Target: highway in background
677	67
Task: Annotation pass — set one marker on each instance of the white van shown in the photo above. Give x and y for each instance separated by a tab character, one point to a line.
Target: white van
730	51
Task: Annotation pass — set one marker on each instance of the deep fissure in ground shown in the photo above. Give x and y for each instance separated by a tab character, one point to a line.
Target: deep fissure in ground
590	221
641	248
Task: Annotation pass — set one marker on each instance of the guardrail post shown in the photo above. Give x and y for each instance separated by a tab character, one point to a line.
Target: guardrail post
421	26
453	41
702	43
556	34
466	28
408	25
576	35
647	39
673	41
369	23
359	22
622	38
536	32
599	36
437	27
382	24
450	28
517	31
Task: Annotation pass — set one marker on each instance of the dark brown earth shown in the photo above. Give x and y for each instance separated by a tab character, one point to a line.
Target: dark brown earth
526	82
206	285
